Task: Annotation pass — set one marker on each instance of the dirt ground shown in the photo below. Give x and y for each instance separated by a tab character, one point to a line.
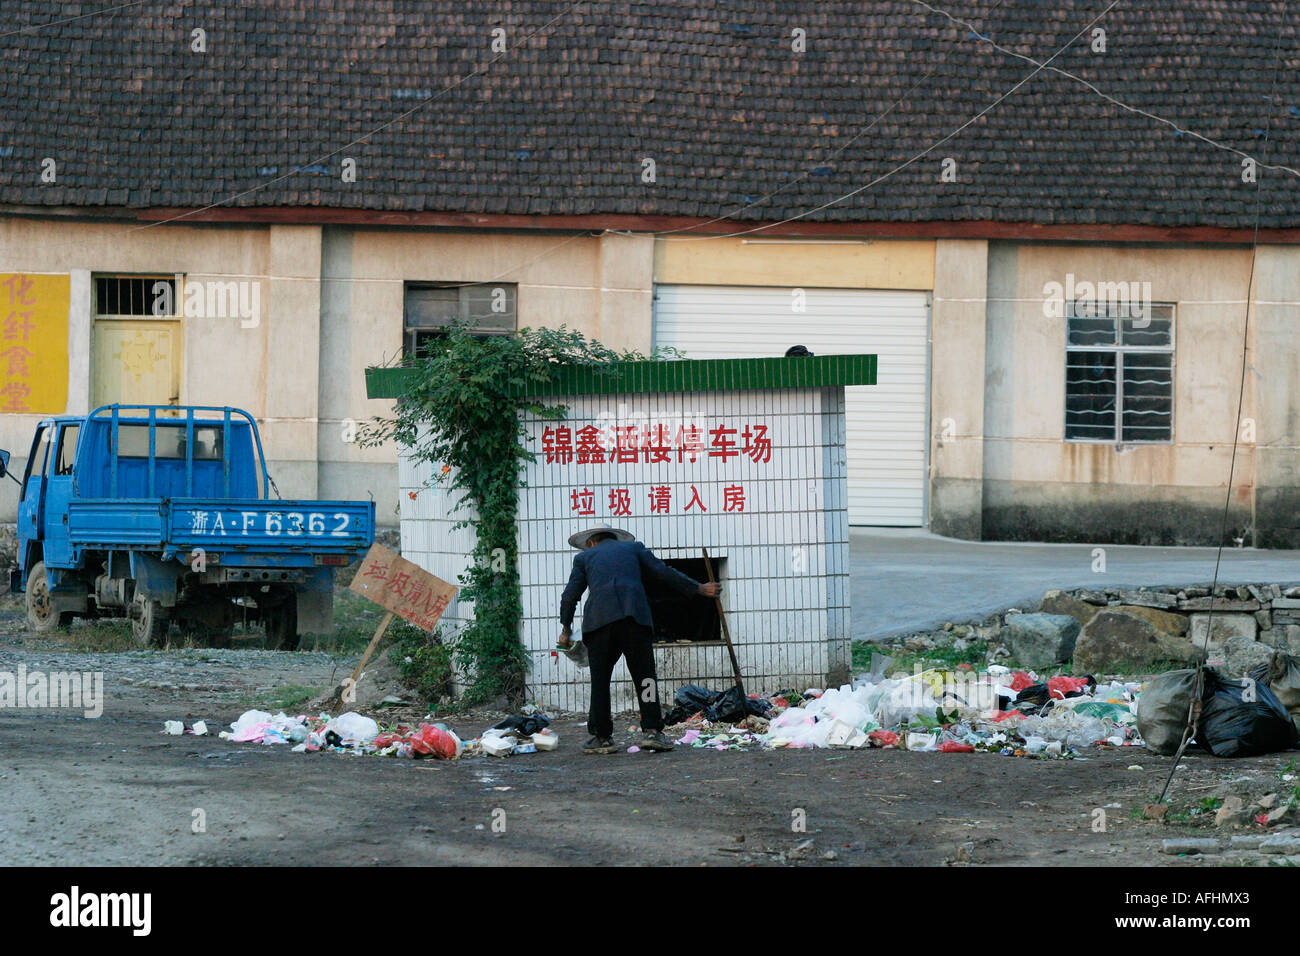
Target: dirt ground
116	790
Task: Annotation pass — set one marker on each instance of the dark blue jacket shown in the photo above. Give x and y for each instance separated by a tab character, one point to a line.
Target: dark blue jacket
613	570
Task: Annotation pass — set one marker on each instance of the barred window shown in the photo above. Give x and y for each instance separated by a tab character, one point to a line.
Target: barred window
1119	374
136	296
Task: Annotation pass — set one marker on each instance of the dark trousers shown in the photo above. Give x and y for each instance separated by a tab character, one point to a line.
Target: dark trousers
635	643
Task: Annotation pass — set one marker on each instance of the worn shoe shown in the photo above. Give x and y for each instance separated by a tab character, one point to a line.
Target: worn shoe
655	740
598	745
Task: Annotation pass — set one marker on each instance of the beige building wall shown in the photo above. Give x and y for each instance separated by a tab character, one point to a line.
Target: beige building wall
224	362
1036	485
331	304
599	285
957	342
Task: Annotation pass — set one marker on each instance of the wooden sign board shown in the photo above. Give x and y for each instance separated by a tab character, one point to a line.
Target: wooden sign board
406	589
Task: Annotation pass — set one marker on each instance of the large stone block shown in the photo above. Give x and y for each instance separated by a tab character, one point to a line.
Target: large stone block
1243	654
1165	621
1041	640
1059	602
1225	626
1132	640
1219	604
1144	598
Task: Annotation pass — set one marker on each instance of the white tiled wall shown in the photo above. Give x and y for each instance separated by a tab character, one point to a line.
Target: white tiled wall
786	573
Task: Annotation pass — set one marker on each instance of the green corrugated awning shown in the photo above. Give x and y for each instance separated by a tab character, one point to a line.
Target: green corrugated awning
685	375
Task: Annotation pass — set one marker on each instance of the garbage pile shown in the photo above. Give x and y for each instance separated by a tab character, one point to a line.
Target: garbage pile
1257	715
519	734
353	733
930	711
350	733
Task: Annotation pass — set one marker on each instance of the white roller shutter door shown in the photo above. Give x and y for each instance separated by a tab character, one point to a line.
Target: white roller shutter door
887	423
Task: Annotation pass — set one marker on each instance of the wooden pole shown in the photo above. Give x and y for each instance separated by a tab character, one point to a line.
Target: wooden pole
722	617
337	699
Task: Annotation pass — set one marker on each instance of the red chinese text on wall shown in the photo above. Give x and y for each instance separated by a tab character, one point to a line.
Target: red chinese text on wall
652	444
661	500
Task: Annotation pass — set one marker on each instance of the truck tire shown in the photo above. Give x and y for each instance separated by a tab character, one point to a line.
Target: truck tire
41	616
281	623
149	622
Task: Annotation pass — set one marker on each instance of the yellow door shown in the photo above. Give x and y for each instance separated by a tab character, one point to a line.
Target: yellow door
137	362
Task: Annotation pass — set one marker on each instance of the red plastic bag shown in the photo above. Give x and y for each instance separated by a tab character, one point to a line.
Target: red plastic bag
432	741
1060	687
955	747
426	741
883	738
1020	680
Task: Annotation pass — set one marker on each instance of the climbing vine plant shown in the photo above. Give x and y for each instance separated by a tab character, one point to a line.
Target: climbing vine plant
462	414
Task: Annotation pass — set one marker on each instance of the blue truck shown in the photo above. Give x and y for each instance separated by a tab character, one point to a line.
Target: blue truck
164	515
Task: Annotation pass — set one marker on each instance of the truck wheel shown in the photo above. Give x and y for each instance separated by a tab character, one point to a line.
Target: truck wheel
281	622
149	622
41	616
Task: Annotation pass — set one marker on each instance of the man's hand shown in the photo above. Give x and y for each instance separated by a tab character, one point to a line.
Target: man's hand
566	637
710	589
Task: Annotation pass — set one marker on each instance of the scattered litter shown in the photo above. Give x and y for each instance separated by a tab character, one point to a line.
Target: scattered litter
524	733
524	725
931	711
347	733
173	727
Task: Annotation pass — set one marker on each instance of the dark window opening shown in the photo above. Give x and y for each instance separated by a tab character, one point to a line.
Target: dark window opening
490	307
685	620
67	450
135	296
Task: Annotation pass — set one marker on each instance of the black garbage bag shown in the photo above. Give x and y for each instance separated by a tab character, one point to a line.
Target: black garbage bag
1242	718
728	705
689	700
1036	694
524	724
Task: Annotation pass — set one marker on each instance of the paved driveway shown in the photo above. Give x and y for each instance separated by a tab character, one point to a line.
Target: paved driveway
905	579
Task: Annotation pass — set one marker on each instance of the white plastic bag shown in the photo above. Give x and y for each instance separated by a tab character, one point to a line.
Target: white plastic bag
354	728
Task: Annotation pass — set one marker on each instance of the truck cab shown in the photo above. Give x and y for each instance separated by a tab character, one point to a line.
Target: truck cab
165	515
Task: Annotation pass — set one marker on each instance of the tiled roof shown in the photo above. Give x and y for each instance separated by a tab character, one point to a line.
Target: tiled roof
709	89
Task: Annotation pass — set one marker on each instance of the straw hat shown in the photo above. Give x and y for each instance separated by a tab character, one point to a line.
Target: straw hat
579	540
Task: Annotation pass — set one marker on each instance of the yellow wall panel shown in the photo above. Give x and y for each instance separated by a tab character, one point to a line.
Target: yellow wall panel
34	343
858	264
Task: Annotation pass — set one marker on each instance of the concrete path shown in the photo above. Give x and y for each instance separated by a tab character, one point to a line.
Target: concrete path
905	579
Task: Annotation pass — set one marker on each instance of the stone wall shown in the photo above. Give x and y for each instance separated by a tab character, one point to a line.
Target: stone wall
1128	629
